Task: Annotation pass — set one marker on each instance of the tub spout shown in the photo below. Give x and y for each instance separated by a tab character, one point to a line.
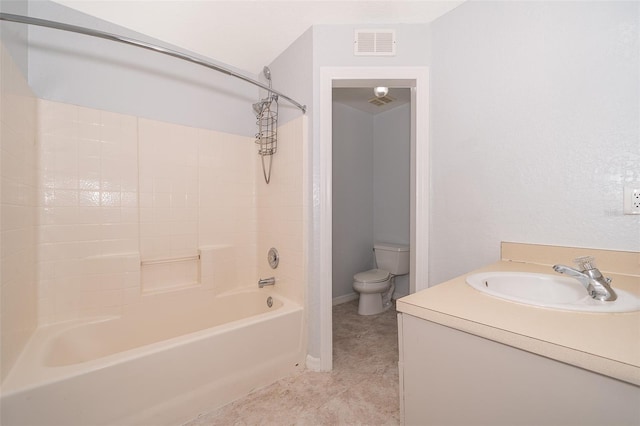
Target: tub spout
266	281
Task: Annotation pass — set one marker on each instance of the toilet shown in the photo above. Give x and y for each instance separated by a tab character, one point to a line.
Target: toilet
376	286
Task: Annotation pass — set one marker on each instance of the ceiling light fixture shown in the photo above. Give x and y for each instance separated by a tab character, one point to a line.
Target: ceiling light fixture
380	91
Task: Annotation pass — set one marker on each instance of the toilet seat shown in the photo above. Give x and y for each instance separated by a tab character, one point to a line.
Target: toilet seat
372	276
371	285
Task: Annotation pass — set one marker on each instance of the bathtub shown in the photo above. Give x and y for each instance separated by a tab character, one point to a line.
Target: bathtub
162	361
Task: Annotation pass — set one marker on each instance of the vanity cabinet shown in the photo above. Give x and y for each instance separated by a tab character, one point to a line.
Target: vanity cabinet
451	377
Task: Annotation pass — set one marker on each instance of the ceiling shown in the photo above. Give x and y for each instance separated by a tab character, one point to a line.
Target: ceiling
358	97
250	34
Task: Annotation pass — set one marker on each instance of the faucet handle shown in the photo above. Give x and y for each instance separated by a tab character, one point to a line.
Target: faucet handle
585	263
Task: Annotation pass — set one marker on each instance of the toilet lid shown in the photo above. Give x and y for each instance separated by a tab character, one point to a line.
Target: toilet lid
372	276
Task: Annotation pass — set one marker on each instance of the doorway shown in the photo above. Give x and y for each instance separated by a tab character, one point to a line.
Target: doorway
415	79
370	176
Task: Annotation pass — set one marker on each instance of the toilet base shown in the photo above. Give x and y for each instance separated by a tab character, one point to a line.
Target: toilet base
371	304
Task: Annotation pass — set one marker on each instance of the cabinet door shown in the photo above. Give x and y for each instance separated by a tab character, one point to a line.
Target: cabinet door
451	377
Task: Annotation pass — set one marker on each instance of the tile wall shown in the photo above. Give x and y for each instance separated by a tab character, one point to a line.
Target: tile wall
90	197
88	211
281	211
228	226
18	287
120	193
168	173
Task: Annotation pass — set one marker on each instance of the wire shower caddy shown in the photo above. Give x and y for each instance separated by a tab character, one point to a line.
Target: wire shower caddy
267	120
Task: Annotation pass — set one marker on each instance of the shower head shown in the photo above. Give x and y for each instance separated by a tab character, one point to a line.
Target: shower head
258	107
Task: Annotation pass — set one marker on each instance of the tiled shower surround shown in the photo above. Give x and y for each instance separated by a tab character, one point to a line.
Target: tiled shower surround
88	210
118	193
88	195
18	288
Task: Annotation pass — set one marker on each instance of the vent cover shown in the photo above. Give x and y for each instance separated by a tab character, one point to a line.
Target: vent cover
381	101
374	43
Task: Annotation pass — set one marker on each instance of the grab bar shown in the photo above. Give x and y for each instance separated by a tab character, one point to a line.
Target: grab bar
171	260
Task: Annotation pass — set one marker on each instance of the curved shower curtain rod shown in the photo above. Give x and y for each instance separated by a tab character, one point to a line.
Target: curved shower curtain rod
133	42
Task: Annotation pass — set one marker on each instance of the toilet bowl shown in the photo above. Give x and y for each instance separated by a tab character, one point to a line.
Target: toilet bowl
371	285
376	286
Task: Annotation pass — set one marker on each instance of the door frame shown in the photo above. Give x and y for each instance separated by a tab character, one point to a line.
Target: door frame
416	78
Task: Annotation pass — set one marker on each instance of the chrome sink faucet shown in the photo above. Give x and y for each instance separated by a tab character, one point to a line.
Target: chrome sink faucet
590	277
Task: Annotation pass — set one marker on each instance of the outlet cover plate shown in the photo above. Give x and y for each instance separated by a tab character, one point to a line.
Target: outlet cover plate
631	200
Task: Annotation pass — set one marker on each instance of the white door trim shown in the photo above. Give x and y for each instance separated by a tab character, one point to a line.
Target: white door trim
418	79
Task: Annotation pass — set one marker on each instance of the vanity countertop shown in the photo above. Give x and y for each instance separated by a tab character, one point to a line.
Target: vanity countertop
606	343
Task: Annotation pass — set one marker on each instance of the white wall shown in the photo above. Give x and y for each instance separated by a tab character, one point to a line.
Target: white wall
353	196
535	128
101	74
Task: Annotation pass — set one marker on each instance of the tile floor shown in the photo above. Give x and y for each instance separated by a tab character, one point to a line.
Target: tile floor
362	389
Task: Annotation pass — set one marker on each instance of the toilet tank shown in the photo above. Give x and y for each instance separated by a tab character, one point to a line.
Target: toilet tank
393	258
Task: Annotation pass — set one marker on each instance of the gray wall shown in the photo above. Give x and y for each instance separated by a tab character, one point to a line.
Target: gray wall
15	36
534	114
391	176
370	189
298	60
391	181
535	124
102	74
291	73
353	196
333	47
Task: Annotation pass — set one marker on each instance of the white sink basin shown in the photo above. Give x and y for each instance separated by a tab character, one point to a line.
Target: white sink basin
549	291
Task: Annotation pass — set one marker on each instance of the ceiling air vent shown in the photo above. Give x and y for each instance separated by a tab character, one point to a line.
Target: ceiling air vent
374	43
381	101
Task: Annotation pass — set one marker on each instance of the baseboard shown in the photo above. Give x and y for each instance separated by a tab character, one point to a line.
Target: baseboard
313	363
344	298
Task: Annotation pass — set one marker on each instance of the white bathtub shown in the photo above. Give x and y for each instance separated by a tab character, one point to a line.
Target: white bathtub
162	362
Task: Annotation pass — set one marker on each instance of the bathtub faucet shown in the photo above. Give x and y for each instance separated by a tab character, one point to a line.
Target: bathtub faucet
266	281
590	277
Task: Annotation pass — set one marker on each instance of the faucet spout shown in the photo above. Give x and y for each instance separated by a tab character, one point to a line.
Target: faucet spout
591	278
583	278
266	281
